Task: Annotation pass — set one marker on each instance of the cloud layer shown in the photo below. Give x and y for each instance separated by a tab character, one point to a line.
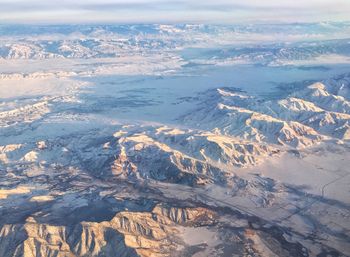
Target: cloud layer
159	11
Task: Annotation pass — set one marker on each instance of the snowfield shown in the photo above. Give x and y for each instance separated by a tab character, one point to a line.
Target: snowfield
175	140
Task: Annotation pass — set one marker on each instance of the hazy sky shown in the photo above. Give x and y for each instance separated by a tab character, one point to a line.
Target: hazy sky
169	11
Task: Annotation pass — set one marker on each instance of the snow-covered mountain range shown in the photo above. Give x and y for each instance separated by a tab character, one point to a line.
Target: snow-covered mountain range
113	144
318	112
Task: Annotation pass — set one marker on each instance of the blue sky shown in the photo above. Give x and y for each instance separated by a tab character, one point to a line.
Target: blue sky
172	11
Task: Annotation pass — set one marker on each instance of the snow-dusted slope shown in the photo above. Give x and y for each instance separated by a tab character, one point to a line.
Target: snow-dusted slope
98	193
160	153
185	156
307	116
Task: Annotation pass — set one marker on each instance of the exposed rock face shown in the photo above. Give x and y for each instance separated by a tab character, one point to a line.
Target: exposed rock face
127	234
184	216
33	239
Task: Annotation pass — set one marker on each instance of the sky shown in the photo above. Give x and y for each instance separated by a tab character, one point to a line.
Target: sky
172	11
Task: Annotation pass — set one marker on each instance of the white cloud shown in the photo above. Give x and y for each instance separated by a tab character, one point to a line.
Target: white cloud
218	11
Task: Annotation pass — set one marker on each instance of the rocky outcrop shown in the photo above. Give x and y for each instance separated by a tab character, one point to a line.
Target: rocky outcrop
154	233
